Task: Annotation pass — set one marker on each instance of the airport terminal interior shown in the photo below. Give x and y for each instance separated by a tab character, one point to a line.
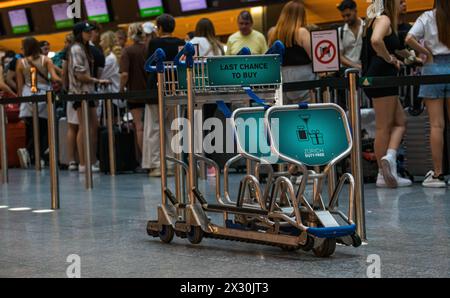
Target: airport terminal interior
334	170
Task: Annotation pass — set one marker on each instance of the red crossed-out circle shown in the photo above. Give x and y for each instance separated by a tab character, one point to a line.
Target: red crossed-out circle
330	47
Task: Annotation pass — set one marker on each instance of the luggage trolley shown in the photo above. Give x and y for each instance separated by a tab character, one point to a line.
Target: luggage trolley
301	225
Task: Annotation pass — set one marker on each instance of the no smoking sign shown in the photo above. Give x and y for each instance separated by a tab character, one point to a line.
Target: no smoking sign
325	51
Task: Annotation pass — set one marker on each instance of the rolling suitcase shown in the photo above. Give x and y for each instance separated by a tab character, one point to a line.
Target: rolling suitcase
124	142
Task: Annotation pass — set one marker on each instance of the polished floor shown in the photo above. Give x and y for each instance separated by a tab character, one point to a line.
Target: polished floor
408	229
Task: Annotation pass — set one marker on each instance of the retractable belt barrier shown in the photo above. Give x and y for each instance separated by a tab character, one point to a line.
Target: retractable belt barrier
152	96
336	83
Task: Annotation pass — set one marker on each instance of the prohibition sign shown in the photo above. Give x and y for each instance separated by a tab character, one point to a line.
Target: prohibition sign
329	50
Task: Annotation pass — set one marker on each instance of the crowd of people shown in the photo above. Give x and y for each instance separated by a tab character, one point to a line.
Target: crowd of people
378	45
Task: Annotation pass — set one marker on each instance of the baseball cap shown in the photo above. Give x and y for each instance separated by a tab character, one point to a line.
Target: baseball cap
149	27
82	27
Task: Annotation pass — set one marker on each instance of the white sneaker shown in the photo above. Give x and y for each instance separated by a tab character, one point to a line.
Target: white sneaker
380	182
73	166
389	170
94	169
434	182
403	182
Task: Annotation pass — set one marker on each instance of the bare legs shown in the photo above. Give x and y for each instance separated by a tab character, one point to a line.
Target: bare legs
435	108
390	125
137	120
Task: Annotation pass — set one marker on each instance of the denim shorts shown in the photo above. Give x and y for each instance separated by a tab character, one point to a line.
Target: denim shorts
441	66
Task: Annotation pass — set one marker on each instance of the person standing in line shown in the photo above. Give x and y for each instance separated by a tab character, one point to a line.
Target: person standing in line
350	35
246	37
134	78
379	47
121	38
297	63
403	25
208	46
433	28
171	46
44	69
82	80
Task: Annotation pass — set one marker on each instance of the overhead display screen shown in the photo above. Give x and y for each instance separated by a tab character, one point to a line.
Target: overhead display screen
19	21
190	5
97	10
150	8
62	20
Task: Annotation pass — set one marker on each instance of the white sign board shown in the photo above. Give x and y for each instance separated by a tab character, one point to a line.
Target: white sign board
325	50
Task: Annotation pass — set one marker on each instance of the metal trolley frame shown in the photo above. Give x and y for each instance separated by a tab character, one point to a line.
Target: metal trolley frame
297	227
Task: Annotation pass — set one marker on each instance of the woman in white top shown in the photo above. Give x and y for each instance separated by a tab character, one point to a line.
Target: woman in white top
111	70
45	74
208	46
205	38
433	28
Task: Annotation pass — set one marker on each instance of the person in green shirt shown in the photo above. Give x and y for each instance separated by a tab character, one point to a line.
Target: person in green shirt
246	37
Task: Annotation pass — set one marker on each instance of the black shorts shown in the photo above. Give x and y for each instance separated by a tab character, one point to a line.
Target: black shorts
380	68
135	105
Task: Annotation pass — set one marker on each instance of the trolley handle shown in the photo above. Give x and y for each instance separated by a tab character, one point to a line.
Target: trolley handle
244	52
159	56
277	48
188	51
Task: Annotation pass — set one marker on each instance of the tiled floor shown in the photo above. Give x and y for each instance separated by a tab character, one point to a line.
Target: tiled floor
409	229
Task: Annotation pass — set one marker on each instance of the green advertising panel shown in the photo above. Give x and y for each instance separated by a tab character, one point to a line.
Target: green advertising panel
244	70
252	135
315	137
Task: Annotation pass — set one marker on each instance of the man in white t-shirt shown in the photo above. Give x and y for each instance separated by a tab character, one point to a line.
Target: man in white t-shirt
350	35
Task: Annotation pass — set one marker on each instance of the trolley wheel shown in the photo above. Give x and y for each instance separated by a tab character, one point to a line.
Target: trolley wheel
195	235
326	249
309	245
166	234
357	242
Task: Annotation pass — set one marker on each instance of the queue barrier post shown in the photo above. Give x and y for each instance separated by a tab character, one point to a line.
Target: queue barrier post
111	147
87	144
356	156
3	147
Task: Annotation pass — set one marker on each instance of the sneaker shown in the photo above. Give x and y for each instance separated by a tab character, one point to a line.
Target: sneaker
24	158
96	168
156	172
381	183
73	166
389	170
82	169
403	182
211	172
434	182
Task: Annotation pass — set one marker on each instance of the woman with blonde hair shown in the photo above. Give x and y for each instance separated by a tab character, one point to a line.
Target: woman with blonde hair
433	27
112	54
133	76
297	64
380	43
205	37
